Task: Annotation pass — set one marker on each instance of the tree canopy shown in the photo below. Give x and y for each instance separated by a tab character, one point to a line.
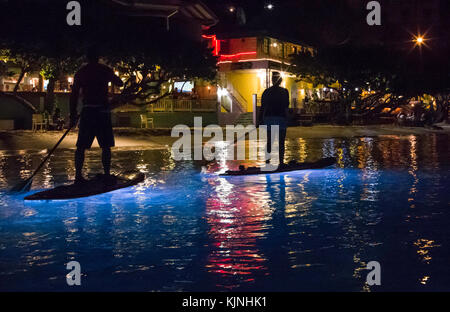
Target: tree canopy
141	48
392	76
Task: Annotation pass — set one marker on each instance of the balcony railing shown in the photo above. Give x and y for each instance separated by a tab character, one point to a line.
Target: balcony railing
175	105
318	107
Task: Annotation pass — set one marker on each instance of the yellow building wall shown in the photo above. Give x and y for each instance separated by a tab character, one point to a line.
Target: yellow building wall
288	83
247	84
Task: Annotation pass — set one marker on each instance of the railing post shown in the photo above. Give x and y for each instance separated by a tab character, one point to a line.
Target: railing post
255	107
231	103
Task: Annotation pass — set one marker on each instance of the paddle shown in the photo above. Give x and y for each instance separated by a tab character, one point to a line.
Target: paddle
24	186
240	138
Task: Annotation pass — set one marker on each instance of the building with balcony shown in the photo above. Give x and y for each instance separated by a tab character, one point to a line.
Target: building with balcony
246	62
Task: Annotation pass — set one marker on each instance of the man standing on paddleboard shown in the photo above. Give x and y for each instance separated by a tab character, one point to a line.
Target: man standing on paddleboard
95	118
274	111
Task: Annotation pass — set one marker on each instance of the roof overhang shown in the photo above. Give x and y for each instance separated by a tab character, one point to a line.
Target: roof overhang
196	10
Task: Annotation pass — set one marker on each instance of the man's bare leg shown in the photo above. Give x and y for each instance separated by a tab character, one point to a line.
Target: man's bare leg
79	161
282	139
106	160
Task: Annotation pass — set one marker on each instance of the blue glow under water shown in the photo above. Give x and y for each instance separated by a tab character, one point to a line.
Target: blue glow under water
386	200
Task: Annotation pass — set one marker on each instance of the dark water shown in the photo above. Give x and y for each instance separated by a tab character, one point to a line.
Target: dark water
185	228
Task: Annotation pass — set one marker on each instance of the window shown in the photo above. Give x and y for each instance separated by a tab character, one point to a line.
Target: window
286	50
266	45
183	86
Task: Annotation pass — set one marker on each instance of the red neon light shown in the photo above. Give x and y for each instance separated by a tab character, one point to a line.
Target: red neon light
237	54
217	50
215	43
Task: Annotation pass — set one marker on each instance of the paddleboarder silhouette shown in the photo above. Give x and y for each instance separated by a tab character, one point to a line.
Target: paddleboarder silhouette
274	111
95	119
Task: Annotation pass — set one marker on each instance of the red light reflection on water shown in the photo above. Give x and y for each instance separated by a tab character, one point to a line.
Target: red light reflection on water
237	220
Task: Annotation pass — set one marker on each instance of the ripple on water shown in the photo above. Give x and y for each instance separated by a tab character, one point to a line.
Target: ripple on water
185	228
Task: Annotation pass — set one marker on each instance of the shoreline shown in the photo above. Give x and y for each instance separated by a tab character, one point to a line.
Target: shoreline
332	131
161	139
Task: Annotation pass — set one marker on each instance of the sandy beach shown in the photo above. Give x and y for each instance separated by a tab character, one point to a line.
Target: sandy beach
160	138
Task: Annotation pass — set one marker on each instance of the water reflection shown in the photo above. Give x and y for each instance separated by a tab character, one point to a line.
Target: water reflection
186	228
236	222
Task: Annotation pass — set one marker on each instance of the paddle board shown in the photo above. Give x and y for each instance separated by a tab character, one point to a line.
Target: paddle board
292	166
95	186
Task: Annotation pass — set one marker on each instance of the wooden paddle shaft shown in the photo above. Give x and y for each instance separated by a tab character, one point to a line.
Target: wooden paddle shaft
52	150
241	137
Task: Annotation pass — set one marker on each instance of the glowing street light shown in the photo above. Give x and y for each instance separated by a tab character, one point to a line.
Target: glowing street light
419	40
269	6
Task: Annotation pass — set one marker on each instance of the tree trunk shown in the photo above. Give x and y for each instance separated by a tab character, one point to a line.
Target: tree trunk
441	112
447	111
444	111
22	74
50	96
348	112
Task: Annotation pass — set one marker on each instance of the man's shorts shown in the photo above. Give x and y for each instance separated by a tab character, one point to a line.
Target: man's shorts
95	122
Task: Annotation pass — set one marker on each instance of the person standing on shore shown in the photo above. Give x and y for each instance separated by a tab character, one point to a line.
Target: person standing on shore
95	118
274	111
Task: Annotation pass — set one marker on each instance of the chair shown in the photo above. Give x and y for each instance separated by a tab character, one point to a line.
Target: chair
145	121
38	121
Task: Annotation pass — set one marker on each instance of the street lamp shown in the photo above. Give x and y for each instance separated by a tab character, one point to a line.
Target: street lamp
269	6
419	40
